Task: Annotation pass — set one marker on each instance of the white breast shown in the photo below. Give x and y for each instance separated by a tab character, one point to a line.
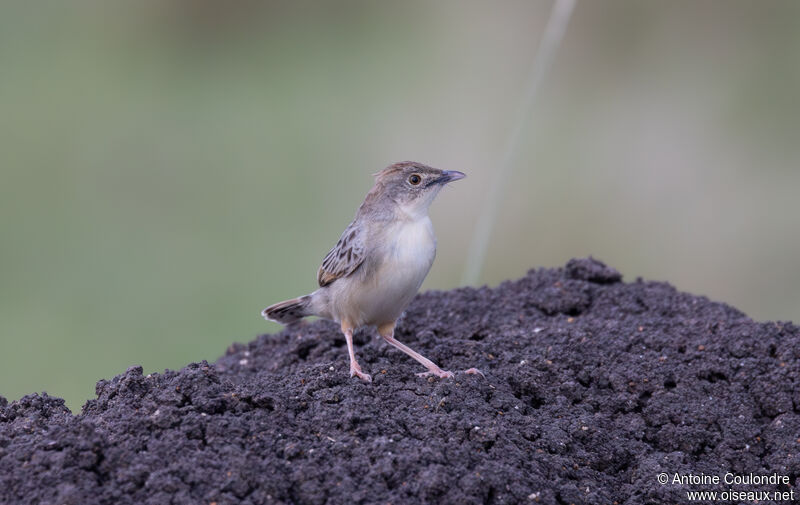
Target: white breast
409	251
414	245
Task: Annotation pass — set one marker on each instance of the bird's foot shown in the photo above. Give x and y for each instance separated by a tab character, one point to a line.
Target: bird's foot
443	374
438	372
356	372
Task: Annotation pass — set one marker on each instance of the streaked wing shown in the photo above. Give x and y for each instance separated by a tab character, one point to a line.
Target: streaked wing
345	257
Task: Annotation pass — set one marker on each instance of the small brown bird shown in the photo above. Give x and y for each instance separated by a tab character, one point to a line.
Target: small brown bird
379	263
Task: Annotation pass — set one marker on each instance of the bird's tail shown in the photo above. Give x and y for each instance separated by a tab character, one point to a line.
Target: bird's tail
290	311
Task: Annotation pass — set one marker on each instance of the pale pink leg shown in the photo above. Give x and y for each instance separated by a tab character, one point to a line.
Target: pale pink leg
387	332
355	368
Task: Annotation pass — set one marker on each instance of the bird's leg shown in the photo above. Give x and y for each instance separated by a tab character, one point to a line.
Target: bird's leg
387	332
355	369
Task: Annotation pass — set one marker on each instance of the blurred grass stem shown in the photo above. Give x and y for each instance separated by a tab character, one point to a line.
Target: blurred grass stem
542	61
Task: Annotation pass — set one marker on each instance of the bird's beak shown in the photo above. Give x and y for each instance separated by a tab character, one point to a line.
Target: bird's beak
450	176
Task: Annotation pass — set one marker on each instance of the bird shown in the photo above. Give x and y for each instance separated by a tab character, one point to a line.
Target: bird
369	277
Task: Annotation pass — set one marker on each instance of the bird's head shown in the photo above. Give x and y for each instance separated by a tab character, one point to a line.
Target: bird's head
413	186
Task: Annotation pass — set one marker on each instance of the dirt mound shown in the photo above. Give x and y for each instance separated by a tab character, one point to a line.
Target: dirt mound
593	388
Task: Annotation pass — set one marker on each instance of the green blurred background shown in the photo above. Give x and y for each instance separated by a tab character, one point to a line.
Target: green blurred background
168	168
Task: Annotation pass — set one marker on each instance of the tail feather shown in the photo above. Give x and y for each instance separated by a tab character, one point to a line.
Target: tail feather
289	311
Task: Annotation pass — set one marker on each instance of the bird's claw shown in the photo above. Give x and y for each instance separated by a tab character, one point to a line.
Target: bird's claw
361	375
442	374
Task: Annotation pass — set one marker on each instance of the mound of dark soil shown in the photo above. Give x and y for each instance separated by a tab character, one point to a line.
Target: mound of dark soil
593	388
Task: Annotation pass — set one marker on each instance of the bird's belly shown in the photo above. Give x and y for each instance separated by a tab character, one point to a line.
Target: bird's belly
392	285
385	299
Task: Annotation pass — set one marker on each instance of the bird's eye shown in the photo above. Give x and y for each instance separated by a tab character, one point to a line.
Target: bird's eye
414	179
